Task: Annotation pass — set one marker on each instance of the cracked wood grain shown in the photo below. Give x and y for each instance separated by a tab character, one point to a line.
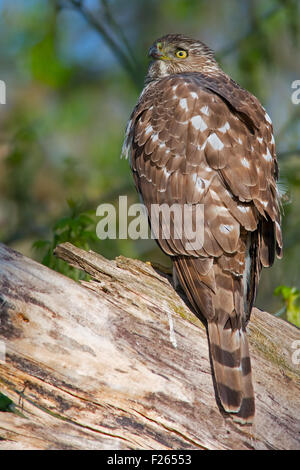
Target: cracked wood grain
96	366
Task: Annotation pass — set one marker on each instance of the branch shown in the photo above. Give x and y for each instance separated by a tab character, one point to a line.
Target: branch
119	31
120	362
249	33
125	59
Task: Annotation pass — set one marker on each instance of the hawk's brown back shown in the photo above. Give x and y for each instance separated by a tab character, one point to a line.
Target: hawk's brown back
196	139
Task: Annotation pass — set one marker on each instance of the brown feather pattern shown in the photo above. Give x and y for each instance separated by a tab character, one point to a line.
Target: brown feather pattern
196	137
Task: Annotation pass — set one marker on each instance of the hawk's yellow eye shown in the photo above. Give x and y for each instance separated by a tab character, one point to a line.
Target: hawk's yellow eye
181	54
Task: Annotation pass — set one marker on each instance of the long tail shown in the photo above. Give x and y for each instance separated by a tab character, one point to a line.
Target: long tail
232	369
218	296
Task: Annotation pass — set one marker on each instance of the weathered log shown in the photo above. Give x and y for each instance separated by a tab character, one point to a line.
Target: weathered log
121	362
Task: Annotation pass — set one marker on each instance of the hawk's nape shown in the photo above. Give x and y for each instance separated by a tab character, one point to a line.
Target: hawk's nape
196	137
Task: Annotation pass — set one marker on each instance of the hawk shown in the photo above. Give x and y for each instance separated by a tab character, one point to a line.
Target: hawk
196	137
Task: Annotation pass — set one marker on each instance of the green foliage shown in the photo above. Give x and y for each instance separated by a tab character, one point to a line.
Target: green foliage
291	298
77	228
180	8
46	66
5	403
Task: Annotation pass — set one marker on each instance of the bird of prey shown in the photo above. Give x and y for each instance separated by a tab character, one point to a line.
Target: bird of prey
196	137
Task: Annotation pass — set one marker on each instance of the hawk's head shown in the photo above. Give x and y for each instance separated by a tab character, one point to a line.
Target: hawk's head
176	53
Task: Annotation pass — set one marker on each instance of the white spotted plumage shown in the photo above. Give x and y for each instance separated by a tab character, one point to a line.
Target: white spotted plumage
197	138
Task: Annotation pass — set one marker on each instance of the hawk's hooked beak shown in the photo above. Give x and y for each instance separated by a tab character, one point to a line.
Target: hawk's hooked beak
156	52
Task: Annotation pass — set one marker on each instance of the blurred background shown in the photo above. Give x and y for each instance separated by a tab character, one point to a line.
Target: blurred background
73	71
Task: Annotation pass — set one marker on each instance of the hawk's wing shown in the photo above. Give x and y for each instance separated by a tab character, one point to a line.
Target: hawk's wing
197	140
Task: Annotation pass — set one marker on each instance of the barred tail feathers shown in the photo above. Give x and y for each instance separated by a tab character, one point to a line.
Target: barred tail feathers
232	369
218	296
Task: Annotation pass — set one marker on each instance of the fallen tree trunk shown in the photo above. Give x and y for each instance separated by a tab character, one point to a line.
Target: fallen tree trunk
120	362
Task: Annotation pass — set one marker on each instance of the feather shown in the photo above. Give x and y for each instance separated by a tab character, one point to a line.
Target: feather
199	138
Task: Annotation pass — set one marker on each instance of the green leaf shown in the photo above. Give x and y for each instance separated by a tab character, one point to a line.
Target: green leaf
291	300
41	244
5	402
63	222
85	219
88	235
77	228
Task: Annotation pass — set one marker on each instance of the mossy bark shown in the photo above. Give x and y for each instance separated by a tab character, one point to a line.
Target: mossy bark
121	362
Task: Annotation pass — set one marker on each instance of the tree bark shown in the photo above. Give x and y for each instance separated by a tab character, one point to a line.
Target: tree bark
121	362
